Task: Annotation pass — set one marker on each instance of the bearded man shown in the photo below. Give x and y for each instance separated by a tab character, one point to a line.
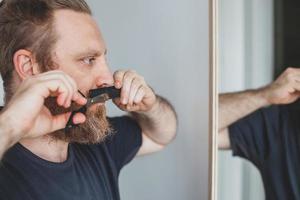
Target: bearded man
49	51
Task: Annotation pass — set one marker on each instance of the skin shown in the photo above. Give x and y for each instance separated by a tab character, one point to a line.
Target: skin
80	53
234	106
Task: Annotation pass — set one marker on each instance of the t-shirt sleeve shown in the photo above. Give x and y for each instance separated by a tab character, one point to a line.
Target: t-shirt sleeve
251	137
125	140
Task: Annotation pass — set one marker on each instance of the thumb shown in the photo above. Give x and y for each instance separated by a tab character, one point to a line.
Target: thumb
60	121
117	101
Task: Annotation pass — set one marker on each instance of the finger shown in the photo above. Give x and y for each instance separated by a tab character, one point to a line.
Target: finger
290	75
297	79
132	108
79	99
63	94
68	82
136	84
118	78
55	85
117	101
127	81
72	89
296	86
73	85
60	121
139	95
79	118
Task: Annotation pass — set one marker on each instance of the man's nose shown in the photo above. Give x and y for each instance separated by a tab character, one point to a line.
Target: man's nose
104	77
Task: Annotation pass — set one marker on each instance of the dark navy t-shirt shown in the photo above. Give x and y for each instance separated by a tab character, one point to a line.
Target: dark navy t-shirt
89	173
270	139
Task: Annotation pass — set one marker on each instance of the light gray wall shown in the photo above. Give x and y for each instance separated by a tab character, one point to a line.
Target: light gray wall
167	42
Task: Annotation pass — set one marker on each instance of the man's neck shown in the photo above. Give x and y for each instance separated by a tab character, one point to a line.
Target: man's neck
47	148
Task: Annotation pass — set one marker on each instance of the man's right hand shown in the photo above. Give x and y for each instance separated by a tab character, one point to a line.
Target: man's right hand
25	116
285	90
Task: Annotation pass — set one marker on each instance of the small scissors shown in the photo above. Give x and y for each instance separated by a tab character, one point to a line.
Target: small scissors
99	95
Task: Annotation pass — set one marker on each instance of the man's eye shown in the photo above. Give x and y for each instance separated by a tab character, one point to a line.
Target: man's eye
88	61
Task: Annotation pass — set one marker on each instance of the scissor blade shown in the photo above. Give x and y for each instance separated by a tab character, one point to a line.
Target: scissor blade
98	99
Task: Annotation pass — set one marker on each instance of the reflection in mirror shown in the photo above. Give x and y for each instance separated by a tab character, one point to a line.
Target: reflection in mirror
258	41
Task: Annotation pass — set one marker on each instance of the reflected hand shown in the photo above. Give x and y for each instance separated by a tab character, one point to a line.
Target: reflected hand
286	89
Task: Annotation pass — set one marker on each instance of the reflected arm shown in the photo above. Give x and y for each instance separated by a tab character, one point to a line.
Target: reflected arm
234	106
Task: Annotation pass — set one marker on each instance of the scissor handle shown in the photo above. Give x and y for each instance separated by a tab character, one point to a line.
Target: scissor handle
112	92
70	123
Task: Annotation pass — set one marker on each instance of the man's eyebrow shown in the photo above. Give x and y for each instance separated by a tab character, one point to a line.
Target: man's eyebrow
91	52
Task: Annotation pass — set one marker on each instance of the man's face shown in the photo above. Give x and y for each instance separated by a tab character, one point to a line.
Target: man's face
80	52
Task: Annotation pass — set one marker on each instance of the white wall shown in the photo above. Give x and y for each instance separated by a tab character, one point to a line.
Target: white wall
246	61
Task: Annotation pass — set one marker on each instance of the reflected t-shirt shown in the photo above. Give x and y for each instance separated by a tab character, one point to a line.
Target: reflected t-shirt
89	173
270	139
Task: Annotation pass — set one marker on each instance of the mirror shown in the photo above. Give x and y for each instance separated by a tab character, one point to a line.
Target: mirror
258	41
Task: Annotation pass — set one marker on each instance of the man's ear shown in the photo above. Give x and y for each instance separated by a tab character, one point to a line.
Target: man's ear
25	64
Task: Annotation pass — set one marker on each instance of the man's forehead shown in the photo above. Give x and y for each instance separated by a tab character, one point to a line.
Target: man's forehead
68	20
72	16
78	30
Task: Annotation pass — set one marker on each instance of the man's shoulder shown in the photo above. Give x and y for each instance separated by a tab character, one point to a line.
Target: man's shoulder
123	123
119	119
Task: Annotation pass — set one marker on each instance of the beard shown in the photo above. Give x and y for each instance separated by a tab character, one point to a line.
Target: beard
94	130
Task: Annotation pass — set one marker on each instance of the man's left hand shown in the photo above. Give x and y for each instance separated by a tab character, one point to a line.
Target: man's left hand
136	95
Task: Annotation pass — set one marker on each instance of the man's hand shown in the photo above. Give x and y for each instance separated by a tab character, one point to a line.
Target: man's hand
25	114
285	90
136	95
154	114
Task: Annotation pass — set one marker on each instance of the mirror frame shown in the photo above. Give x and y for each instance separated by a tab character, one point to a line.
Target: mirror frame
213	107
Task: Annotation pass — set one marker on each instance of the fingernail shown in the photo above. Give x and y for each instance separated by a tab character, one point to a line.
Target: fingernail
84	100
117	84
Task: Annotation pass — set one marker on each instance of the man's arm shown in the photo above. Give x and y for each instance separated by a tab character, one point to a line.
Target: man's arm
7	136
154	114
234	106
158	126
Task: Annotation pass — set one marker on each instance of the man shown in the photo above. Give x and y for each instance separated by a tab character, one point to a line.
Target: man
263	127
49	51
